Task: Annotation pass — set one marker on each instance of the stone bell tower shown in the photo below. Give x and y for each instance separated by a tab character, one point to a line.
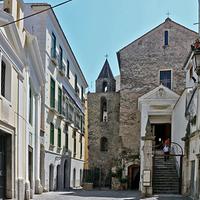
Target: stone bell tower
103	125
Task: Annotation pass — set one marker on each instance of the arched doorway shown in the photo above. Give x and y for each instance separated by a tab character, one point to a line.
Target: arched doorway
57	177
81	176
66	174
133	177
51	172
74	177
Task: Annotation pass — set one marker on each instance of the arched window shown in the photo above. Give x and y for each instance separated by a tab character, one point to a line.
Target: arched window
51	177
104	144
105	86
104	113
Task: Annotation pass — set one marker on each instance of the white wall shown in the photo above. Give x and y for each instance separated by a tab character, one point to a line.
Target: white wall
78	165
179	122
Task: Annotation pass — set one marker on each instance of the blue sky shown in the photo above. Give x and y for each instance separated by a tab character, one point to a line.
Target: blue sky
95	28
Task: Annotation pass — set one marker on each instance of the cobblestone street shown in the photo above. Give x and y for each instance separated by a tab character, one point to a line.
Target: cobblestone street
102	195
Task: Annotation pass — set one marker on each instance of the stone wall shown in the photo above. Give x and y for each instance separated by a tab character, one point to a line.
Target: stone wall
98	129
140	63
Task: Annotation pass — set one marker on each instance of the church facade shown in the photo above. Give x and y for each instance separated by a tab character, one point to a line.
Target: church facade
151	72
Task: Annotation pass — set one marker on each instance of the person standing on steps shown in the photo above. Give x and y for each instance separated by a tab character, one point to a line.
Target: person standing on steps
166	152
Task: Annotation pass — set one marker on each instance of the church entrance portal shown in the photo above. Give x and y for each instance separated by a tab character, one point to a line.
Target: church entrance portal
133	177
161	133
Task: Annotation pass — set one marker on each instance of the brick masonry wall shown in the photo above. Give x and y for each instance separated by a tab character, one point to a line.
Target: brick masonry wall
140	63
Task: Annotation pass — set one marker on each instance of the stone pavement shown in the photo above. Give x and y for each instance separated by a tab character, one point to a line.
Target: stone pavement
102	195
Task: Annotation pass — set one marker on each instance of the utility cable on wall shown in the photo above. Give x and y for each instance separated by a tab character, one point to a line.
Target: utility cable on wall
50	8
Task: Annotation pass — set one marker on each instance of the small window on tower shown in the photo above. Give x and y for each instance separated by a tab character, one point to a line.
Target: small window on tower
166	38
104	113
104	144
105	87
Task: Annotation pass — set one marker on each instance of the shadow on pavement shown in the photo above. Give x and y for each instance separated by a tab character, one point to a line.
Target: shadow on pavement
125	195
122	195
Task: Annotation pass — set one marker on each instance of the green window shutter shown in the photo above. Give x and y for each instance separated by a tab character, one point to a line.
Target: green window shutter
74	136
51	134
3	78
66	141
52	94
53	46
59	100
81	147
30	106
59	137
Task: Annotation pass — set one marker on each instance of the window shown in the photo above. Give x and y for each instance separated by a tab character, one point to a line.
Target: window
6	75
52	93
74	136
51	134
104	114
75	83
3	78
53	46
81	146
66	110
165	78
60	58
104	144
66	139
82	93
59	100
166	37
81	123
81	176
68	76
30	106
105	86
74	177
71	112
59	137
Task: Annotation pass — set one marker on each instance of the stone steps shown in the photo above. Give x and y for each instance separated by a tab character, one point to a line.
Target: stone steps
165	177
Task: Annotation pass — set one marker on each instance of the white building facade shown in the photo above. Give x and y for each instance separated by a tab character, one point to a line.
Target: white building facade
21	69
62	121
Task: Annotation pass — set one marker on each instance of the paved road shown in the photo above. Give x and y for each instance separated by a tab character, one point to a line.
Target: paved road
102	195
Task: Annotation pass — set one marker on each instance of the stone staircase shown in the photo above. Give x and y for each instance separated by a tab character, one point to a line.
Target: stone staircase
165	176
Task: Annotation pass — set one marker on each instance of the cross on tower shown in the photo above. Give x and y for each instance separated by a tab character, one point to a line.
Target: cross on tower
106	56
168	14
